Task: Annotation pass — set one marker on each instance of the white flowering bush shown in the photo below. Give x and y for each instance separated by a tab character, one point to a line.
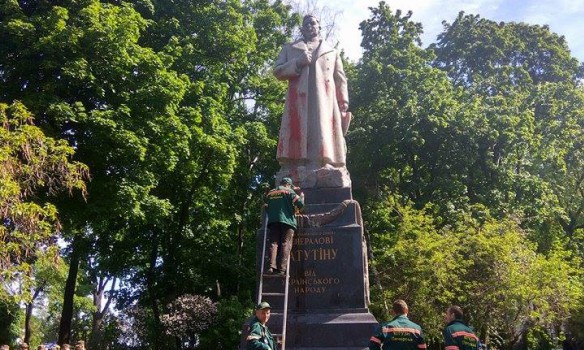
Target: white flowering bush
189	315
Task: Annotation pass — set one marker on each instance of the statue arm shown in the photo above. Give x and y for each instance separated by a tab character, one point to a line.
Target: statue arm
286	67
341	84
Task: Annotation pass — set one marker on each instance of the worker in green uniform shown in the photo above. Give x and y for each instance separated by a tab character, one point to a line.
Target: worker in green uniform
457	335
398	334
281	203
259	336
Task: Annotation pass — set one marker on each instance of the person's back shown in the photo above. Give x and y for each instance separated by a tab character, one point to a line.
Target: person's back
458	335
398	334
281	204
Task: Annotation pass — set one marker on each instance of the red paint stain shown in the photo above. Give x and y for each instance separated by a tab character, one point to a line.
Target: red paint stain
294	146
333	124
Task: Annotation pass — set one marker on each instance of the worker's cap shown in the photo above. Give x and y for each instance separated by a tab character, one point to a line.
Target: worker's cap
286	181
263	305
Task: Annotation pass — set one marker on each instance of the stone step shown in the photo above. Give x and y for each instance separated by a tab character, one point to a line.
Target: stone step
324	331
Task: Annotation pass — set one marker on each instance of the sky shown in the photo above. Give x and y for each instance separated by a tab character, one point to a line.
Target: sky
564	17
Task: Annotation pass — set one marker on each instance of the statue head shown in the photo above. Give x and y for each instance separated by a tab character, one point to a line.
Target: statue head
310	27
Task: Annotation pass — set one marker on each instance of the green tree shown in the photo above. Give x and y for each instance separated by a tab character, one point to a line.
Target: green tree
513	53
559	112
156	97
529	164
510	288
488	266
526	86
10	329
473	158
231	102
413	261
83	72
407	114
34	168
47	275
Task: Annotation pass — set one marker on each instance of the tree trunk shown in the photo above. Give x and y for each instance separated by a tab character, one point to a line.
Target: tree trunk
150	282
67	312
27	318
28	313
98	296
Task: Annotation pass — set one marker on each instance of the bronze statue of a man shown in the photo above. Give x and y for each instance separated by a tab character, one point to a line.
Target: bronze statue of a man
315	116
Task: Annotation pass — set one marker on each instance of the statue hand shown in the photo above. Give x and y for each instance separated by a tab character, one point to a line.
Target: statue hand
305	59
344	107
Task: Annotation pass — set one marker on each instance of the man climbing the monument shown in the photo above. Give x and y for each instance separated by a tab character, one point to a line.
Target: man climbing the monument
398	334
259	336
281	204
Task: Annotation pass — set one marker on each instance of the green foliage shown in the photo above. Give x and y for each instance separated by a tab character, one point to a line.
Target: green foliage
502	53
477	170
492	139
9	329
154	96
527	103
575	327
50	278
33	167
226	334
474	195
413	260
539	339
405	112
485	265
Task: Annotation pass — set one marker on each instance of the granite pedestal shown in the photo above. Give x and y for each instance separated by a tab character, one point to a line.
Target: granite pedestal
328	287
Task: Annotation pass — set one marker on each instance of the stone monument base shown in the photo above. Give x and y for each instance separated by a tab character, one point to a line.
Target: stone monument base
328	286
323	330
325	177
342	330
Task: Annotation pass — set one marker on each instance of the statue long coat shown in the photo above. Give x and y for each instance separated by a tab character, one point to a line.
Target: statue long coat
311	131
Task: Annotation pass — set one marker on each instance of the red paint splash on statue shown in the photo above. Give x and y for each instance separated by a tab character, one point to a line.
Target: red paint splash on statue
295	137
333	126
